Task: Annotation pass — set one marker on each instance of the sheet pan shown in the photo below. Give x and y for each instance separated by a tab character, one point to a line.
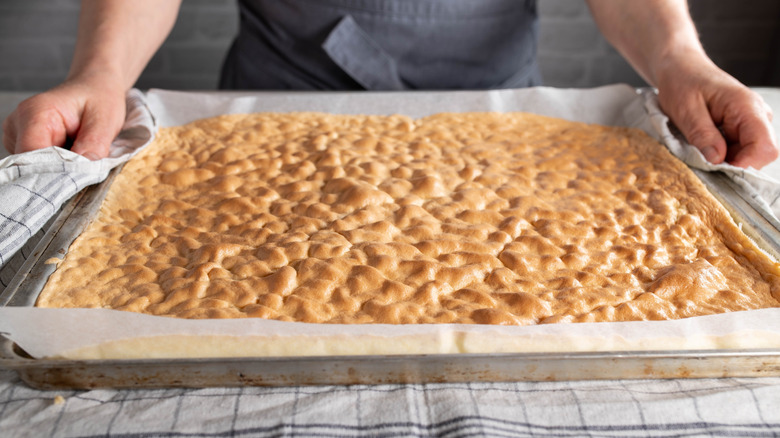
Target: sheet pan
60	373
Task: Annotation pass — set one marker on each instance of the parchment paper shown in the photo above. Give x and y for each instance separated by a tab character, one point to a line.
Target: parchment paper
97	333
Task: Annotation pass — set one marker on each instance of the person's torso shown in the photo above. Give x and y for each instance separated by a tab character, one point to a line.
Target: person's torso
384	45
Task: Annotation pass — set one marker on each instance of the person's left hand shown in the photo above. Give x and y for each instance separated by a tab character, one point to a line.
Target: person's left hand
721	117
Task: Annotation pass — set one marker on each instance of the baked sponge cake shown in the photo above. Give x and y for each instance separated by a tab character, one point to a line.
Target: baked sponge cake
486	218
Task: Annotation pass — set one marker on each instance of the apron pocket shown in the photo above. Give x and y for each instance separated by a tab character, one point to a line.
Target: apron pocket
352	49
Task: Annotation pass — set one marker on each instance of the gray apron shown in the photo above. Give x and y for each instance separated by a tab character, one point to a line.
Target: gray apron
383	45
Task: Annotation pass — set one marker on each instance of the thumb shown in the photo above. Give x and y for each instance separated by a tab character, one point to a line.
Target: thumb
98	129
695	123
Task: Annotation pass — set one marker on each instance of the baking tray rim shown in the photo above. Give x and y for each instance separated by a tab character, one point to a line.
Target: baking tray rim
389	369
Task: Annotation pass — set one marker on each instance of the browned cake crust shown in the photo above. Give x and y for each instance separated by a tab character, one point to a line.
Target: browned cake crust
455	218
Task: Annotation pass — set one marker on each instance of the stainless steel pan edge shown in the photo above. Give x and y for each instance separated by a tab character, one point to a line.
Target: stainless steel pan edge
349	370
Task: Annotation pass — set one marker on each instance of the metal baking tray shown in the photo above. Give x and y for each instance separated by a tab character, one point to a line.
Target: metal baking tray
308	370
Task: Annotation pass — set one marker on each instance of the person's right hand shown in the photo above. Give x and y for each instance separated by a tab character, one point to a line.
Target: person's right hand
90	114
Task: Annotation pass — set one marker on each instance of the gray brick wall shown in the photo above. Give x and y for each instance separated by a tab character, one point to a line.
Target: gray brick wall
37	39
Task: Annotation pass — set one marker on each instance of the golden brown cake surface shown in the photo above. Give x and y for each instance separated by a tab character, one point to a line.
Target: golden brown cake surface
454	218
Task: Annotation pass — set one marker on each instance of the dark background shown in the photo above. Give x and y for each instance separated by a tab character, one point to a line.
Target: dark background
37	39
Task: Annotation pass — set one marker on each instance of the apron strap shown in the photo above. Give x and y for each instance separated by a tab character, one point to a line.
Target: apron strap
362	58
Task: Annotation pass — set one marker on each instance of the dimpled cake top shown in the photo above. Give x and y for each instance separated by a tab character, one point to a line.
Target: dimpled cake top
485	218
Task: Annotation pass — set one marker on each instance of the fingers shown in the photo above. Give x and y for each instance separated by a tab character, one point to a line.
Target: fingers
716	113
724	119
91	117
693	119
99	127
756	145
33	126
41	131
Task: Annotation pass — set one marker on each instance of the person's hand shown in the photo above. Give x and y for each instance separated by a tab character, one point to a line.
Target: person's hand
88	113
724	119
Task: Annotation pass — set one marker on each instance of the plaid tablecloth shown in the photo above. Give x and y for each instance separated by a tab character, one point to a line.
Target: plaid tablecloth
665	408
